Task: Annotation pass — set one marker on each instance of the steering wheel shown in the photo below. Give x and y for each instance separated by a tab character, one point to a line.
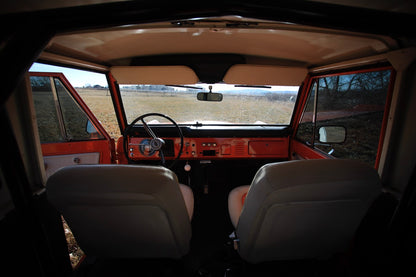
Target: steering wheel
156	143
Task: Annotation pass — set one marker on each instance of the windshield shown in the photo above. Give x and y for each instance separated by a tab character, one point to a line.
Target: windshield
240	105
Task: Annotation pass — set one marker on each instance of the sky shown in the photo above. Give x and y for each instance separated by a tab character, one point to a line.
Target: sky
81	78
77	78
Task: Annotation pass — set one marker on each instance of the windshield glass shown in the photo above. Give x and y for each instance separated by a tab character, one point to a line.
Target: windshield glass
240	105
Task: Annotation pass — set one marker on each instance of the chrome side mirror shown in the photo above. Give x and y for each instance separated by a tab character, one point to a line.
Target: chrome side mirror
332	134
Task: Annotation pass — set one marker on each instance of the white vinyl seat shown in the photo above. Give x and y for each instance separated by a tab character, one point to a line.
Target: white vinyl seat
124	211
302	209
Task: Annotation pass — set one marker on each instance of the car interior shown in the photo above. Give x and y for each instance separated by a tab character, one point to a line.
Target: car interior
211	139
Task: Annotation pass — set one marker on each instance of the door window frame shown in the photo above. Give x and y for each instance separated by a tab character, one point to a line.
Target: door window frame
300	148
83	107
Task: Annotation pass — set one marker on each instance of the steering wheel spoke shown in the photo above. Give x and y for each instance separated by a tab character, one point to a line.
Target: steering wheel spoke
162	156
148	130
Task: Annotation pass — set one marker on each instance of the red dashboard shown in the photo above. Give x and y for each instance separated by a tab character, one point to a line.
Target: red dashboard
207	148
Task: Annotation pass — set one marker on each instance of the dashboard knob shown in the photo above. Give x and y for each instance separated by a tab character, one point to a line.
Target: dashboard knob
187	167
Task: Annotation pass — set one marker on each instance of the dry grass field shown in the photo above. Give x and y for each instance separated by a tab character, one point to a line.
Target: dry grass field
185	108
99	102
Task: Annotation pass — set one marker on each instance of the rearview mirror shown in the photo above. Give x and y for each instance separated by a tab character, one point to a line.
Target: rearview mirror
209	96
332	134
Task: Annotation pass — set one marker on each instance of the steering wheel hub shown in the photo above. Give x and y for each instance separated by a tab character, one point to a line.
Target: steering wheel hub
157	144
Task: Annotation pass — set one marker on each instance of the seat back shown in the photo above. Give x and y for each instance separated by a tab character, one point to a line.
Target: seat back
305	209
123	211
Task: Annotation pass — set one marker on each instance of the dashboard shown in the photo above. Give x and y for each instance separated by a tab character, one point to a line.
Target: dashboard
208	148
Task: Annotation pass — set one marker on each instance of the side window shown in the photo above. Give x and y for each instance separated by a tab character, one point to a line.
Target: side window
348	114
76	122
59	116
45	105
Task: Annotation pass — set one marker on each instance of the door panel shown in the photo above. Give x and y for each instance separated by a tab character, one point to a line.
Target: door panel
53	163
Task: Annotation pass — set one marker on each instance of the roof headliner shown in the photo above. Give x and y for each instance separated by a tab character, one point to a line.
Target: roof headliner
258	42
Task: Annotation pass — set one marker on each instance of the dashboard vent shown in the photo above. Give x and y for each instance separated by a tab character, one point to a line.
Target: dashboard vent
240	149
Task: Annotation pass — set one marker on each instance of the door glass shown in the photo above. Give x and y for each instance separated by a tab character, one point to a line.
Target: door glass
46	112
356	102
77	124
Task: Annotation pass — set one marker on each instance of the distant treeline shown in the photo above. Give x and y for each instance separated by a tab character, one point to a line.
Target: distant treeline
171	92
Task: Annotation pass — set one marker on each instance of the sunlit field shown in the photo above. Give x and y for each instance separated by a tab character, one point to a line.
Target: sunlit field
99	102
185	108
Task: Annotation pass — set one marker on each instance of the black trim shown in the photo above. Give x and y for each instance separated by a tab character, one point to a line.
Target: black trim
216	131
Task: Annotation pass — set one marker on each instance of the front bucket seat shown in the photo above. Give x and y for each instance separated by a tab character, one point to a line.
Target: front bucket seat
124	211
302	209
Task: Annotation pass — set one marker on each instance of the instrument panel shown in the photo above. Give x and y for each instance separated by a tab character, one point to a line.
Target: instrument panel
209	148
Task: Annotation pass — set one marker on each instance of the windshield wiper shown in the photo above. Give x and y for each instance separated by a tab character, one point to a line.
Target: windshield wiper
251	86
183	86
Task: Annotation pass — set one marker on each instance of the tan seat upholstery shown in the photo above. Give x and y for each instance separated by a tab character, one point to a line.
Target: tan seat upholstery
123	211
303	209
